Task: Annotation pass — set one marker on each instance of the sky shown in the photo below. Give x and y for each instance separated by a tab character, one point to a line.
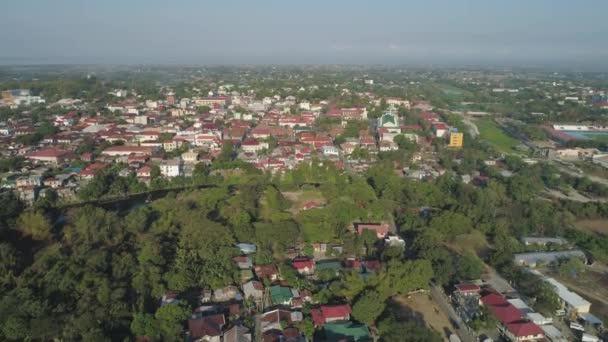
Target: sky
448	32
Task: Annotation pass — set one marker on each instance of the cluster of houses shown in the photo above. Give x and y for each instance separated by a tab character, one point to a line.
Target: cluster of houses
272	134
517	321
276	305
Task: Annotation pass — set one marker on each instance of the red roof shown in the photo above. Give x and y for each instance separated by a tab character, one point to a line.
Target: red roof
336	311
467	288
440	126
524	329
302	263
206	326
372	265
493	299
48	153
350	263
506	314
380	229
266	271
317	317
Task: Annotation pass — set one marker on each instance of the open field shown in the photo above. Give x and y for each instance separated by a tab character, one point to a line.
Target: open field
595	226
420	307
491	132
299	198
597	137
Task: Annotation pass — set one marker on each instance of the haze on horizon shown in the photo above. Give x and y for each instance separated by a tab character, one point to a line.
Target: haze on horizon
471	32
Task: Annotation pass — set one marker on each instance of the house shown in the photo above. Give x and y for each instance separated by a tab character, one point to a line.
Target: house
304	265
513	323
208	328
246	248
144	172
281	295
127	150
440	129
333	266
537	258
572	302
237	333
49	155
253	146
227	293
330	313
346	331
523	331
171	168
273	321
253	289
310	205
268	271
467	290
243	262
381	229
543	241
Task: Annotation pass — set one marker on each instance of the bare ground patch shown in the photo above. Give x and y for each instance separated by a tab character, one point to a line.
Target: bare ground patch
420	307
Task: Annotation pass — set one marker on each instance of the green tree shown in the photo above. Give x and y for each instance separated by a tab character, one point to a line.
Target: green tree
307	327
368	307
34	224
170	320
469	266
144	324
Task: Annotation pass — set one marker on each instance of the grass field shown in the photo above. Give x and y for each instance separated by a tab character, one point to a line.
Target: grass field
491	132
597	137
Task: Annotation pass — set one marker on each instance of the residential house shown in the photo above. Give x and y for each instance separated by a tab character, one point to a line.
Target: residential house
330	313
268	271
207	329
237	333
282	295
171	168
243	262
346	331
304	266
53	156
381	229
253	289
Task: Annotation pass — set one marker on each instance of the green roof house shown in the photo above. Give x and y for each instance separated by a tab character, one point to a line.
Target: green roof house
346	331
280	295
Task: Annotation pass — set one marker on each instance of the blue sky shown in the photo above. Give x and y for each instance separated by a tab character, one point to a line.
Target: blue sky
312	31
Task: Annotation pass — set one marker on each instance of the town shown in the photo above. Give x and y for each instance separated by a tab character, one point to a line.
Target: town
310	203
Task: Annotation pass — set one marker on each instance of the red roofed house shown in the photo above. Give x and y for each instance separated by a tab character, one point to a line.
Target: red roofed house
440	129
49	155
208	328
144	172
330	313
381	229
514	325
304	265
467	289
311	204
524	331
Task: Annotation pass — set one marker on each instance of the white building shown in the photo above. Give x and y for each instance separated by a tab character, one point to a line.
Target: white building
171	168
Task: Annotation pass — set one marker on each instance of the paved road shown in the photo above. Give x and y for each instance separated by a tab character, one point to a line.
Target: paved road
461	329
